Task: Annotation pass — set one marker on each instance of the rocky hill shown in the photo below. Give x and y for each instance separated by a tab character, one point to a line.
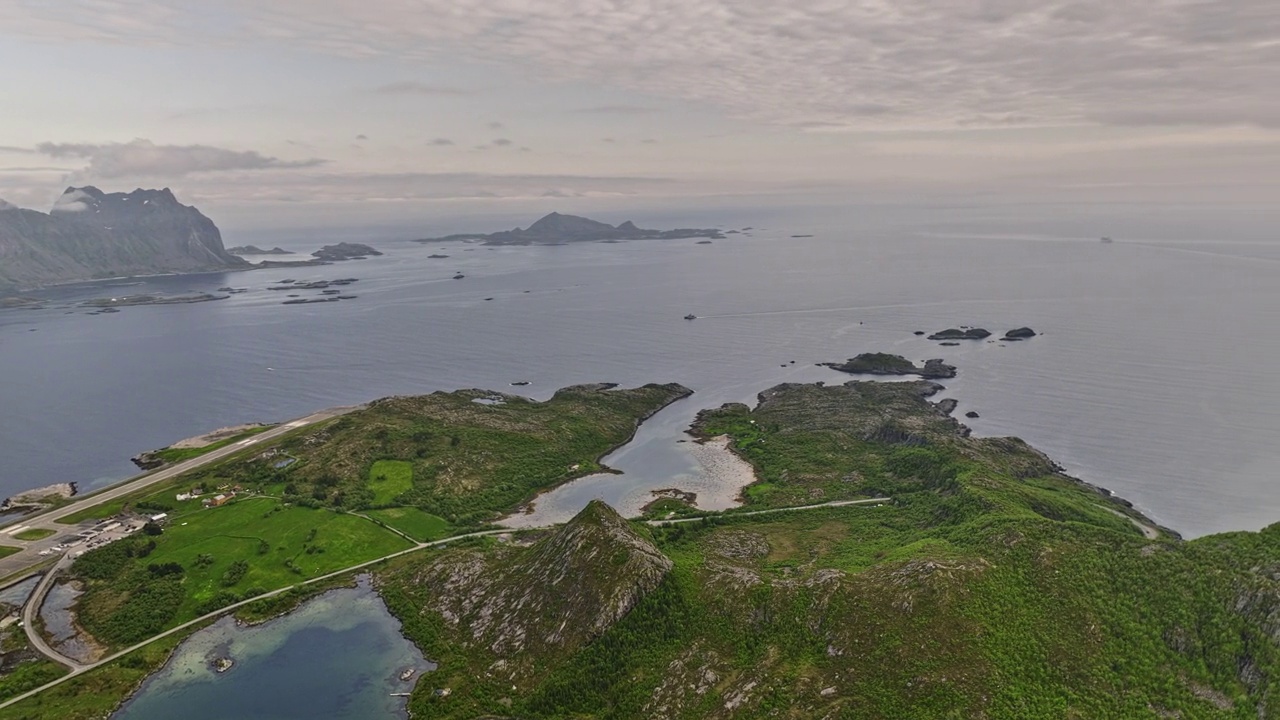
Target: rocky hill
515	610
90	234
991	585
557	229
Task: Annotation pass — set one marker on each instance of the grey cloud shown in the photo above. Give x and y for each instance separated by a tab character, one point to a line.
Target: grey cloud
143	158
442	141
360	187
859	64
362	137
35	169
831	64
616	110
502	142
495	125
411	87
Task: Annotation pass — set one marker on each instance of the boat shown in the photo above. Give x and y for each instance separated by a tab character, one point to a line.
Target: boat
459	276
1107	241
690	316
406	674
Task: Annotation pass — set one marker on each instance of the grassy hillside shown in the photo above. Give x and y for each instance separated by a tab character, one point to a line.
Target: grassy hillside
992	587
323	499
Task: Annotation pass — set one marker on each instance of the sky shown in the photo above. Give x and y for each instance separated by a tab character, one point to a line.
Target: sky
277	112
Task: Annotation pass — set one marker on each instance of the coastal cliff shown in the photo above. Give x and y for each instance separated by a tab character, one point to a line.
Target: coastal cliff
90	234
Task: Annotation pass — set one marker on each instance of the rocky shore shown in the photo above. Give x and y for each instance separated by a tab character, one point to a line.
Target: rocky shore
138	300
39	498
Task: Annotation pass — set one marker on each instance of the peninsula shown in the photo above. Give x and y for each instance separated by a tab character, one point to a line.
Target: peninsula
884	563
557	229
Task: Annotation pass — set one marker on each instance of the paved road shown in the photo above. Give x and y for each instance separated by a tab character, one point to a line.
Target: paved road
833	503
30	554
77	670
32	608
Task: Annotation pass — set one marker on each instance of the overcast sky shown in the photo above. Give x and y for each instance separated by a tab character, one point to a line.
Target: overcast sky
270	108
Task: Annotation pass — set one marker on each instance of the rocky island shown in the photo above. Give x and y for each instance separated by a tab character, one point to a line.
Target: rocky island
90	234
961	334
886	364
255	250
557	229
344	251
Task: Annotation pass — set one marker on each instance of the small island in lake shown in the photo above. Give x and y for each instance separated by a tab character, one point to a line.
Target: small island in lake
557	229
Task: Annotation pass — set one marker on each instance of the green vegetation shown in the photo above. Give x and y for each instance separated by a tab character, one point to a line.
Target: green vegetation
419	525
29	676
207	559
34	534
6	550
96	694
879	363
427	466
463	461
389	479
992	586
173	456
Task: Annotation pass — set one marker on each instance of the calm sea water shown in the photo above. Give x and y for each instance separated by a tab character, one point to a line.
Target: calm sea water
1152	376
339	656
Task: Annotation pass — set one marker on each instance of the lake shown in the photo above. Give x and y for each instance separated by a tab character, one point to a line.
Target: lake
337	656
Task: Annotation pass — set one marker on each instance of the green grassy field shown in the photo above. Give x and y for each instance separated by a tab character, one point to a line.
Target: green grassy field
415	523
208	558
34	534
389	479
6	550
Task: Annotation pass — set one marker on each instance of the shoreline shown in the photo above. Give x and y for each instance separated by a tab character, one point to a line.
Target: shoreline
526	507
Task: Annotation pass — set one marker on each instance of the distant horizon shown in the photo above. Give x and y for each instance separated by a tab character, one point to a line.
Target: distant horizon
262	113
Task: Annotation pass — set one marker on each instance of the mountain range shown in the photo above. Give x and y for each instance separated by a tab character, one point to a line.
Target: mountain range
90	234
557	229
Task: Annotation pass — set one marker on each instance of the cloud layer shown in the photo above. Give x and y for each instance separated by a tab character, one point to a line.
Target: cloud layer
820	64
143	158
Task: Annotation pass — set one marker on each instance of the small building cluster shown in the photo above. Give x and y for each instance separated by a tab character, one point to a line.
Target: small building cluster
218	500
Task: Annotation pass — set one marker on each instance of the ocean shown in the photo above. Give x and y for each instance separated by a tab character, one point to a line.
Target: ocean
1151	375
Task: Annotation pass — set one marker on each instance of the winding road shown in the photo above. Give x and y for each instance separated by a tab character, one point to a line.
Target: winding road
77	669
